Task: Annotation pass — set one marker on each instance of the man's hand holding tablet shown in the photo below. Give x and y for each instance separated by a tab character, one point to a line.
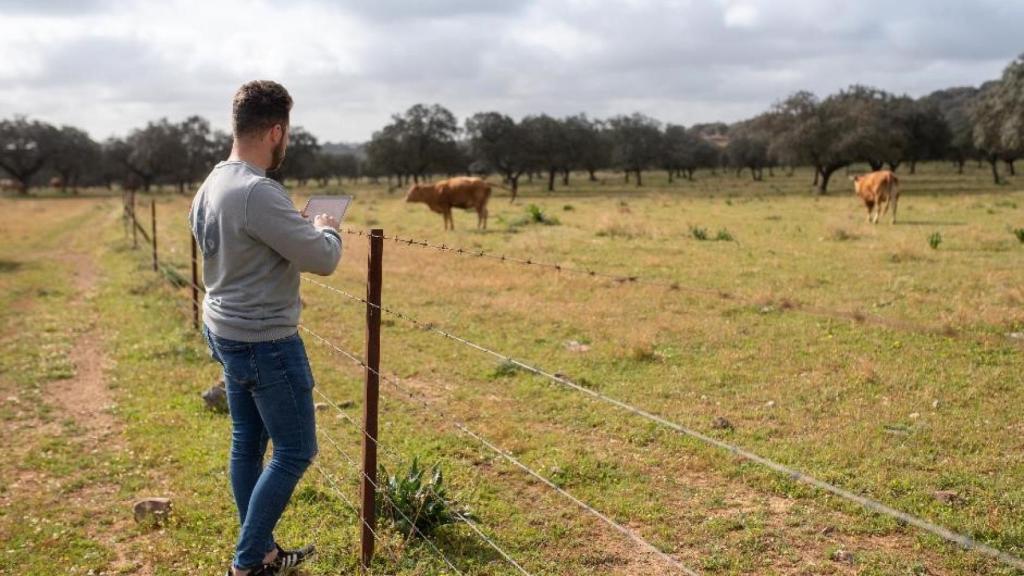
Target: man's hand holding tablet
325	221
326	210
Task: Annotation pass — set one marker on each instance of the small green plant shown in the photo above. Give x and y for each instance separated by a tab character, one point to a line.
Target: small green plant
535	215
417	503
505	370
1019	233
724	236
568	208
934	240
699	233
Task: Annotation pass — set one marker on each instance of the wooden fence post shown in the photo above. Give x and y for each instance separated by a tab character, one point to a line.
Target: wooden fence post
152	217
373	313
135	224
195	283
124	213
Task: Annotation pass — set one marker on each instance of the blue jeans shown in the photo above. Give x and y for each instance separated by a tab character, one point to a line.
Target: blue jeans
270	396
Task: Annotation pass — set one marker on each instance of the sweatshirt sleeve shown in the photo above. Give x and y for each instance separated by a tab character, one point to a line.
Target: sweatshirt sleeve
271	217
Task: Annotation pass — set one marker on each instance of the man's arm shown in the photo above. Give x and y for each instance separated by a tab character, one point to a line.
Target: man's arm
271	217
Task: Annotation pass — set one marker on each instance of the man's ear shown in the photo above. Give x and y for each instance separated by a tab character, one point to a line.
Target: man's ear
277	134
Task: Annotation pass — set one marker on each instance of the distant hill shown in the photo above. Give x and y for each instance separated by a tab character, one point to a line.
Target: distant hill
359	150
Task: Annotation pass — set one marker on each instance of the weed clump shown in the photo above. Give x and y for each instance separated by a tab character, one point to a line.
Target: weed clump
701	234
415	503
537	216
934	240
506	369
1019	233
534	215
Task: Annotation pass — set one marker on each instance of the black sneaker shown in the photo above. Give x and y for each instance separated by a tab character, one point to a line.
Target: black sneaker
265	570
289	560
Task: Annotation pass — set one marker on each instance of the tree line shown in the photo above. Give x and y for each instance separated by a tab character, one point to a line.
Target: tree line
857	125
161	153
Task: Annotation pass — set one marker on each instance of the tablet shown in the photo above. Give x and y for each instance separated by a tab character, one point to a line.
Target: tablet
333	205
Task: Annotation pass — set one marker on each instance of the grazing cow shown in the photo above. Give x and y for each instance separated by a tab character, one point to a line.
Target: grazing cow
462	192
56	182
876	189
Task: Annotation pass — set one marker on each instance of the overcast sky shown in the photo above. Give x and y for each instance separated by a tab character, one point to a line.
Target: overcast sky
108	66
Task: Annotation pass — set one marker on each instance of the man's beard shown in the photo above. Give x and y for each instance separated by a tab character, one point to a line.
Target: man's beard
277	158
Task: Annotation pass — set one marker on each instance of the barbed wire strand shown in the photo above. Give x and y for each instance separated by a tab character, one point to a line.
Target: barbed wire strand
391	451
347	501
378	490
782	304
472	526
508	456
334	404
965	542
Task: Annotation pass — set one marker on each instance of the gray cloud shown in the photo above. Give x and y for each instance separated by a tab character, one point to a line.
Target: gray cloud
350	65
50	6
403	10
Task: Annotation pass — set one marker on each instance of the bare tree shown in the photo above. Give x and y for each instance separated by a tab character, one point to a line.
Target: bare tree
153	152
955	106
502	144
637	143
548	144
74	154
25	147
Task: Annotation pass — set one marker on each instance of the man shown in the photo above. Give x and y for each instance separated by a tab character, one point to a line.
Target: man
255	245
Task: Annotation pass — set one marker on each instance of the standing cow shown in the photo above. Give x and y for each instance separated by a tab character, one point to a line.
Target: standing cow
876	189
462	192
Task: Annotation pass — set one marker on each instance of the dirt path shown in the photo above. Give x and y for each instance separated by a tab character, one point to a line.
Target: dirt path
86	398
78	412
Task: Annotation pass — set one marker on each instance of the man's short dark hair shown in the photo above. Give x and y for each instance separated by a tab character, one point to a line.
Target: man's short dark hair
258	105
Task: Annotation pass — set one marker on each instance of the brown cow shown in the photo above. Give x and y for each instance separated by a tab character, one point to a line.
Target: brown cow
56	182
462	192
876	189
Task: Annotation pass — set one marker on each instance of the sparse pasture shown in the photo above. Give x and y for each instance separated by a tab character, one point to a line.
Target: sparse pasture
869	356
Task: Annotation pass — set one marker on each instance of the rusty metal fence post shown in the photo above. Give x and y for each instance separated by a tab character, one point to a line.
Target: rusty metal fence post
152	211
368	513
195	283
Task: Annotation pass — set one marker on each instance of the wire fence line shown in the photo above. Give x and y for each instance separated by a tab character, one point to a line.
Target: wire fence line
868	503
376	487
358	362
637	279
459	426
483	536
963	541
338	491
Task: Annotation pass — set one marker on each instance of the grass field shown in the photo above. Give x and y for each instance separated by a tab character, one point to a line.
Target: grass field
858	354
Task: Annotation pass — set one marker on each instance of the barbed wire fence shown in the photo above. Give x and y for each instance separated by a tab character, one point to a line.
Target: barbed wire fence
371	367
366	473
782	304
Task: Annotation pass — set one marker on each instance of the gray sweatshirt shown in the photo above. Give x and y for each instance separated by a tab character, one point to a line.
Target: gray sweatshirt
255	244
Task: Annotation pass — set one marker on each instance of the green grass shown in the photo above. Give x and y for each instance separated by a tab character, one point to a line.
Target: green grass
896	412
